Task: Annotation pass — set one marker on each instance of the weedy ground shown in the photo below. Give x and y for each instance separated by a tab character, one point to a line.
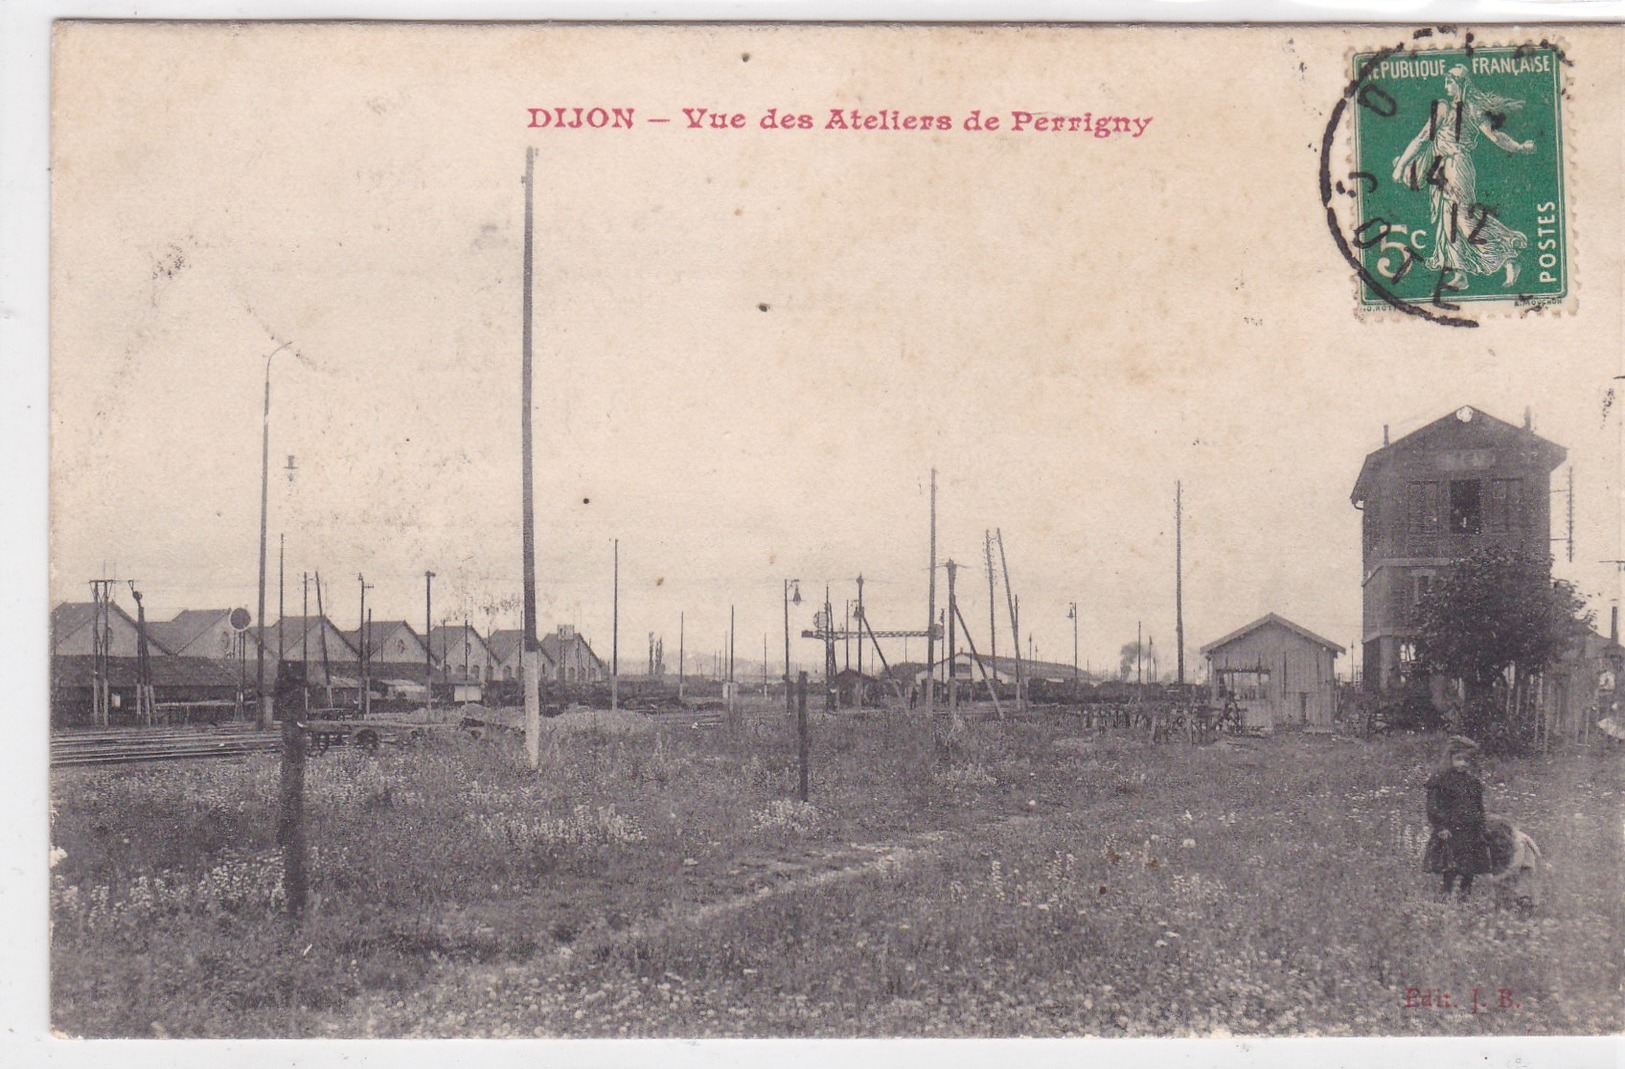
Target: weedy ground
1023	877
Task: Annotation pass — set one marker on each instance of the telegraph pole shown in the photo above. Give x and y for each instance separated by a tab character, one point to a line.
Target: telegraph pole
428	642
101	591
682	656
615	636
953	626
1015	622
992	602
265	498
931	607
789	697
1179	576
304	643
143	670
291	798
829	653
327	661
846	638
281	597
365	697
1073	612
860	633
531	657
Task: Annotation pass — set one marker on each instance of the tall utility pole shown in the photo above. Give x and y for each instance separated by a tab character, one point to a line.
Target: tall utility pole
1073	613
829	653
931	607
846	638
1139	651
1015	622
953	626
101	592
733	709
615	635
327	662
532	647
366	684
304	643
428	642
789	586
992	602
1179	576
861	626
143	662
682	656
265	499
281	597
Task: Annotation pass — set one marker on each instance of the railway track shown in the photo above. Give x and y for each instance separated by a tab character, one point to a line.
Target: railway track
131	745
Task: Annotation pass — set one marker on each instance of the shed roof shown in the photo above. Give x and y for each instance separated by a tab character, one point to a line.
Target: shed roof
70	616
79	670
451	637
1265	621
187	625
505	643
293	627
378	631
553	646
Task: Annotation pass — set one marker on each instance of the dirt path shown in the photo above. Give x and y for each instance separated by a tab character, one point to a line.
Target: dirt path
391	1014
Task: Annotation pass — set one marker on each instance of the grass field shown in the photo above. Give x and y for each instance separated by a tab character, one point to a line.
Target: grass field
1027	879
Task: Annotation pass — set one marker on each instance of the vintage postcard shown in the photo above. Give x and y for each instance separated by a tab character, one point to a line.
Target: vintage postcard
709	531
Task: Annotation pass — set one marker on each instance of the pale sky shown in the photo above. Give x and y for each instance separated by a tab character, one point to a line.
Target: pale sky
1062	326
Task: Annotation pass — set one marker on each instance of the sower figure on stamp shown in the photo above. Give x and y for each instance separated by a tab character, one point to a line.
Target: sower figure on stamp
1455	800
1467	238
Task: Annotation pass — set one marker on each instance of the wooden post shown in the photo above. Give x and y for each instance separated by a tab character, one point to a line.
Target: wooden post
615	635
803	748
1015	623
953	626
931	606
428	639
281	593
291	816
1179	576
327	663
530	658
992	603
997	708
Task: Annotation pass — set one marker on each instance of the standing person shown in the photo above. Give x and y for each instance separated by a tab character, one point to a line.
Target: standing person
1455	802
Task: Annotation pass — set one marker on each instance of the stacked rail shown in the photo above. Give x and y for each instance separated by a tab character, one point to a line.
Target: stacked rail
130	745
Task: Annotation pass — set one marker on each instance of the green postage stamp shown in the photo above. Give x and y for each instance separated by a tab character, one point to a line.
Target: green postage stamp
1458	176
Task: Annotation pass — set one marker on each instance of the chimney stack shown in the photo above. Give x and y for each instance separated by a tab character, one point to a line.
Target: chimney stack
1385	434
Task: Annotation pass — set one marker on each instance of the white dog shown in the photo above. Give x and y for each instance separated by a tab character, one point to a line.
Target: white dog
1515	861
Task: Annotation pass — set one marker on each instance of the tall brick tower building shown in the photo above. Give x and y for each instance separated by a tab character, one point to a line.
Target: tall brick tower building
1465	481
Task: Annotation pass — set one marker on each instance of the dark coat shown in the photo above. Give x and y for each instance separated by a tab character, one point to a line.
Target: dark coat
1456	805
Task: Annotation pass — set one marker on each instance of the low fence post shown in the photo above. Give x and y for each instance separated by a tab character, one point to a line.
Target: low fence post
801	730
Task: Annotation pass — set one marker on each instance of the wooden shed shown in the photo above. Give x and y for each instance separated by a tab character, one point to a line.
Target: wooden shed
1282	674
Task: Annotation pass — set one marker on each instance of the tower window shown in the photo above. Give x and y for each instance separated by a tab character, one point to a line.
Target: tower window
1466	507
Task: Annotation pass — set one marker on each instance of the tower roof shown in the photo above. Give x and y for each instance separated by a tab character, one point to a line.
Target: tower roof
1465	428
